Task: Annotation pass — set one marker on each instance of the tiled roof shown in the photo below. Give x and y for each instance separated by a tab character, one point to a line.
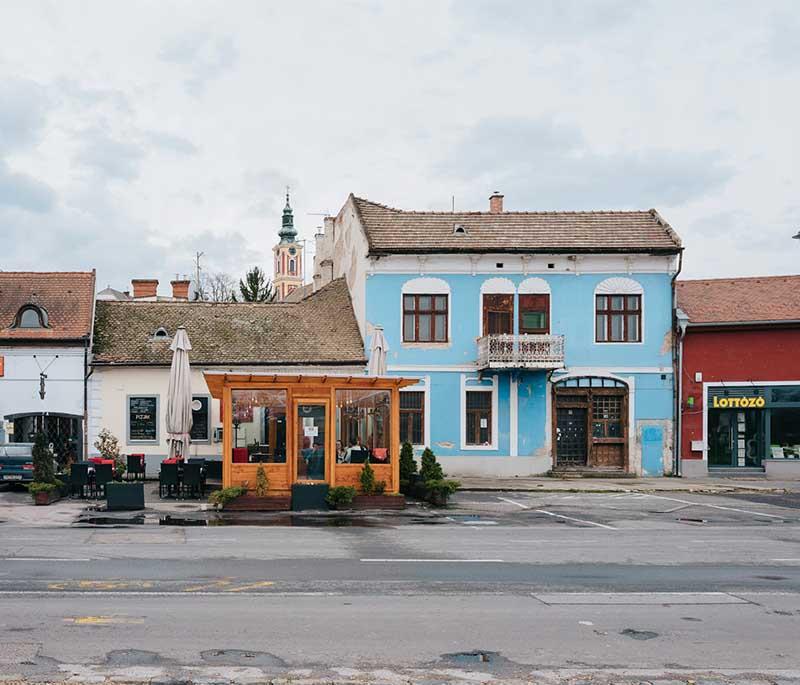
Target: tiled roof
392	231
740	300
321	329
67	297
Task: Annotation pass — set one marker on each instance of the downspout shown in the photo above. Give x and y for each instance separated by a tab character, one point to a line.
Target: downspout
86	375
677	367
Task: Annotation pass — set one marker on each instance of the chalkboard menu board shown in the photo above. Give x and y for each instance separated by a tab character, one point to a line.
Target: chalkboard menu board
199	430
143	418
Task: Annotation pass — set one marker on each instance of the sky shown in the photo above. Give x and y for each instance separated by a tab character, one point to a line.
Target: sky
134	134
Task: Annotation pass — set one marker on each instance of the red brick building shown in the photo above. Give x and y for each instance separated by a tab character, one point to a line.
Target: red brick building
739	364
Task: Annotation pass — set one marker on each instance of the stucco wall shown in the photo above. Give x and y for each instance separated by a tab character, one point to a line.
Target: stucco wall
350	249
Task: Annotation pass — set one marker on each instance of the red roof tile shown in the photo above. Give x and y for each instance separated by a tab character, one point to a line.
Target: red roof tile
740	300
67	297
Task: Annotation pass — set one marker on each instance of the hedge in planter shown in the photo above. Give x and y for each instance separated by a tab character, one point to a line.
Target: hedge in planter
432	485
124	496
341	497
373	495
45	488
45	493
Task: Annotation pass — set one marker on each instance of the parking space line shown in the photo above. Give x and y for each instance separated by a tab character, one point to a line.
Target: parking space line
511	501
569	518
717	506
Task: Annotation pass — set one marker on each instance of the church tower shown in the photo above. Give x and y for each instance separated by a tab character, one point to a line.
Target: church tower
288	256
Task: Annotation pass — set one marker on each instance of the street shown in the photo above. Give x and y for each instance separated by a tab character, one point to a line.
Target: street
506	586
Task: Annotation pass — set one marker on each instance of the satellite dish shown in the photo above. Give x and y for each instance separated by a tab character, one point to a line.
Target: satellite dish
197	405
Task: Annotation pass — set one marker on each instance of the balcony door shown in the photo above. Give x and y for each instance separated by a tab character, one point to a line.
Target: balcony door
534	314
498	314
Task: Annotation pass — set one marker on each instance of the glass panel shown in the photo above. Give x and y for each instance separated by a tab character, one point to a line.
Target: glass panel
200	418
534	320
424	328
416	428
479	399
633	302
785	432
598	429
310	442
441	303
363	426
602	302
786	394
615	429
412	399
616	327
425	302
601	326
632	330
617	302
441	327
259	426
408	302
408	327
30	319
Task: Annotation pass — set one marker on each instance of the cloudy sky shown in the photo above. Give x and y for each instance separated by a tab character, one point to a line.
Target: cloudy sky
134	133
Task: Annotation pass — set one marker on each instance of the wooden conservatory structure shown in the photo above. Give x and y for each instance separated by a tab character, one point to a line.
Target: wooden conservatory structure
308	428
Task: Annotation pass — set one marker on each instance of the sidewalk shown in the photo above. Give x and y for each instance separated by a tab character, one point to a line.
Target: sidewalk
664	484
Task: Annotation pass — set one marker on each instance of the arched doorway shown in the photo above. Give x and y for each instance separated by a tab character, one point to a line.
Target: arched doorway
62	431
590	423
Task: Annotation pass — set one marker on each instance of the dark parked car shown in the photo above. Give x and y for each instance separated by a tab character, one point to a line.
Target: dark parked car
16	462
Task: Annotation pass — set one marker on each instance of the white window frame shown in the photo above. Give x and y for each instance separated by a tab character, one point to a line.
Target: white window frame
474	384
617	285
424	387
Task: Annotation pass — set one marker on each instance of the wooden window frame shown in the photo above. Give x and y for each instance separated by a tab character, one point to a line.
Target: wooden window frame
625	312
407	420
468	439
544	300
433	312
497	303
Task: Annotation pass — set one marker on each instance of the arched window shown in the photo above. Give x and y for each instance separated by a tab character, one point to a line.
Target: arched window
497	306
425	310
291	266
31	316
161	333
618	306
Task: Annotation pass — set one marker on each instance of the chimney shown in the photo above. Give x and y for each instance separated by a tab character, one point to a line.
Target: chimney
180	289
144	287
496	203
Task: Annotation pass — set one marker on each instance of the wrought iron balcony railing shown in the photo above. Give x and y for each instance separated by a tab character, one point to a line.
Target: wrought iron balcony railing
523	351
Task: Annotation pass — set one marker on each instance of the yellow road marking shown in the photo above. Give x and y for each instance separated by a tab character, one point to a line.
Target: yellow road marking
252	586
216	585
100	584
101	620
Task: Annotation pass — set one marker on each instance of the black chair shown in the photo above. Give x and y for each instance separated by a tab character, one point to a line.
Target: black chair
193	480
168	479
358	456
136	466
214	469
103	473
79	479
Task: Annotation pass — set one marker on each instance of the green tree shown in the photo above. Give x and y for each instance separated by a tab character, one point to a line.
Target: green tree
430	468
256	287
43	471
408	466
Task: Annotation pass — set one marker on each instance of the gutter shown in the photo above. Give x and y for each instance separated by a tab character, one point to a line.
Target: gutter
727	324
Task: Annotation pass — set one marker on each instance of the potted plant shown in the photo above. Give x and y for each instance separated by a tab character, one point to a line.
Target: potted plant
341	497
432	485
373	491
108	446
259	499
408	469
220	498
45	488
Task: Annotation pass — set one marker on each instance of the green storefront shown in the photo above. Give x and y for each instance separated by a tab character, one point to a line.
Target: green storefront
747	424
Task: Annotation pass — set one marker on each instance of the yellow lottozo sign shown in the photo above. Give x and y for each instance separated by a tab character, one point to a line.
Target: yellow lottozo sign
738	402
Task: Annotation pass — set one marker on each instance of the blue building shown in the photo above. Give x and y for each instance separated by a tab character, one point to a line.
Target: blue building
542	340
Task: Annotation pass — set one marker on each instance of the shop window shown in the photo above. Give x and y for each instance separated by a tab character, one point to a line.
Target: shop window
143	419
259	426
425	318
412	417
479	417
363	426
785	432
201	419
787	394
618	318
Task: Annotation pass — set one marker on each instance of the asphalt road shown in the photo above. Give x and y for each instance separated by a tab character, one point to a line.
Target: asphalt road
502	586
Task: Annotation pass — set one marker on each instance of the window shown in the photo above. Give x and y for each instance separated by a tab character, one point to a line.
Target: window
498	314
618	318
161	333
412	417
259	426
607	416
785	432
479	417
534	314
143	418
201	419
363	426
425	318
31	316
291	266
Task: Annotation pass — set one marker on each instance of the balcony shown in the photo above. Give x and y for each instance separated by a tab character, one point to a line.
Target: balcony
523	351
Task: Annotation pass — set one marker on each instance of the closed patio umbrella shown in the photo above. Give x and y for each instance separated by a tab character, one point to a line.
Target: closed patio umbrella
179	396
377	353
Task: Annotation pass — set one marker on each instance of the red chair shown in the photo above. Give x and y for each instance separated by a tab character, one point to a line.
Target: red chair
240	455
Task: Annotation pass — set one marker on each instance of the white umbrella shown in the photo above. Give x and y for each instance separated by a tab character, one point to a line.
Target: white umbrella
377	353
179	396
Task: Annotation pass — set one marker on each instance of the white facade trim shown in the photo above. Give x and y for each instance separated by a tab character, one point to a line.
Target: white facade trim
605	370
514	417
497	285
426	286
493	388
534	286
424	386
415	368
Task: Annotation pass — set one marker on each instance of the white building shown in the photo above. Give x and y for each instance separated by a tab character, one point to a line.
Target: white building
45	341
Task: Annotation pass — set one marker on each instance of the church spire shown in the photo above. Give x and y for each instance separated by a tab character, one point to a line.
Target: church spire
287	233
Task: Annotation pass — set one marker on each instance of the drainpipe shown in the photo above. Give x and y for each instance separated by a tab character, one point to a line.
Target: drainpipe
677	366
86	375
683	322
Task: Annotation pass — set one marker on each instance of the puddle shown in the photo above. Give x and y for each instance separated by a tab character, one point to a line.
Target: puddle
639	634
772	577
241	657
473	657
113	521
132	657
283	520
178	521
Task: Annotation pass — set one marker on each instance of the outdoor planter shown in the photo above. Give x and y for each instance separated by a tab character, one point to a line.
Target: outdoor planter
44	497
379	502
121	496
256	503
312	496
